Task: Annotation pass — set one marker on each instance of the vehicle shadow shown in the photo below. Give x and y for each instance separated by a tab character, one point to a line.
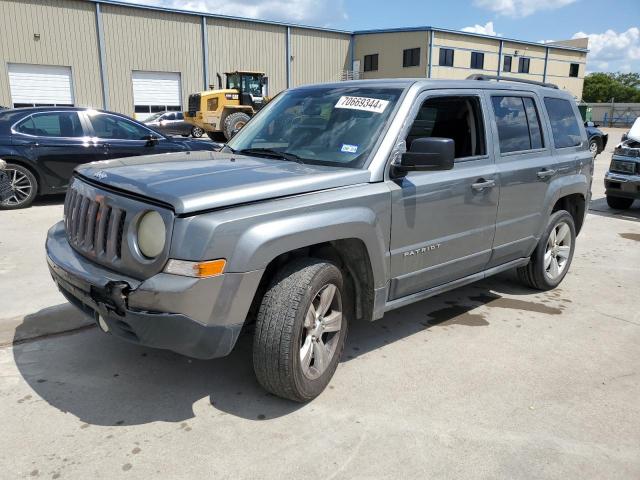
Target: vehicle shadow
599	207
57	199
105	381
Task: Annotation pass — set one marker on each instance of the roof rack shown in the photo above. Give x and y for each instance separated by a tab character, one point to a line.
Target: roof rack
480	76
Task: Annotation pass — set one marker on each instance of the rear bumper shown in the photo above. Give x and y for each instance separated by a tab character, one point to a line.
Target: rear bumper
621	185
199	318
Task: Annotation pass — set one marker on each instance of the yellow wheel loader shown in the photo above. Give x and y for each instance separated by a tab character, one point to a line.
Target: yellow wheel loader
220	113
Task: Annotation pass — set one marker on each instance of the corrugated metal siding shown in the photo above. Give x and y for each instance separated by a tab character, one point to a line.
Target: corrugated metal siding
318	56
150	41
237	45
68	37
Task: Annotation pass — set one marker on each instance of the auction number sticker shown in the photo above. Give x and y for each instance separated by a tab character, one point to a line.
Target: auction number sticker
363	103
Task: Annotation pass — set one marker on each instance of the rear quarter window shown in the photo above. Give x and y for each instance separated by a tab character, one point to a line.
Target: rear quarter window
564	125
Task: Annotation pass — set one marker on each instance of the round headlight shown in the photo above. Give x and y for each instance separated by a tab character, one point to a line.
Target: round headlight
151	234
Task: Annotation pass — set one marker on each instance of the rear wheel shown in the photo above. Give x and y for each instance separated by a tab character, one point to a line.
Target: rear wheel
197	132
619	203
24	185
234	122
552	257
300	330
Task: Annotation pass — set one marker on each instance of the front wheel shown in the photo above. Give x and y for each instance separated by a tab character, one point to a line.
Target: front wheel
197	132
300	330
594	146
552	257
234	122
619	203
24	187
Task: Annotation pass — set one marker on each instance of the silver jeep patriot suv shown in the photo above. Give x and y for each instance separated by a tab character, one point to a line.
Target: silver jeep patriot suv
335	202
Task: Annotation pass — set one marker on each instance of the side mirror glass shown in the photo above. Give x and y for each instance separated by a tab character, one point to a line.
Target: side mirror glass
428	154
264	81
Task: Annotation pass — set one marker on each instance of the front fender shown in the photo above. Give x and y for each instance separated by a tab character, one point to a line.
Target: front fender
249	237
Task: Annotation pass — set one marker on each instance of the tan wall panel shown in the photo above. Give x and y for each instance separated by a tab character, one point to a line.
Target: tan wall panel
237	45
524	50
68	37
567	55
390	47
318	56
466	42
147	40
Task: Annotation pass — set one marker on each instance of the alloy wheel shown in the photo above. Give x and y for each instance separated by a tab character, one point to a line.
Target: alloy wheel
593	148
321	331
21	186
558	251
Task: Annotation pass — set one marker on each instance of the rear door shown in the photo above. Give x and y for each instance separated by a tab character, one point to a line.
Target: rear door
525	165
58	142
443	222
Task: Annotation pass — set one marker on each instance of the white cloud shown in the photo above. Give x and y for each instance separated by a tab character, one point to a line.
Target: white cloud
612	51
312	12
521	8
486	29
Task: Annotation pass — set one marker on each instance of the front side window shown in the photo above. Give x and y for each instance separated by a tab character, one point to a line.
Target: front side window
55	124
110	126
446	57
564	125
477	60
458	118
574	68
523	65
335	126
411	57
518	124
506	67
371	63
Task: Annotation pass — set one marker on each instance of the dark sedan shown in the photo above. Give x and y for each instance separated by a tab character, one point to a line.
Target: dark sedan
173	123
43	145
597	138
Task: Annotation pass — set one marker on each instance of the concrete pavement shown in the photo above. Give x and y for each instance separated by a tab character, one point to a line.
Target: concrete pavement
489	381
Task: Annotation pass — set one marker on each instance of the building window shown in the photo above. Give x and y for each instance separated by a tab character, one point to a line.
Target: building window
477	60
411	57
574	68
446	57
523	65
506	66
371	63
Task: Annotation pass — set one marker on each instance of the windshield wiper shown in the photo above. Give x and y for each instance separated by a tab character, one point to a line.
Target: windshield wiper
292	157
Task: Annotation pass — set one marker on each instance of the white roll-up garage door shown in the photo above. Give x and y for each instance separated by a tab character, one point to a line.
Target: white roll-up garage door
40	85
155	92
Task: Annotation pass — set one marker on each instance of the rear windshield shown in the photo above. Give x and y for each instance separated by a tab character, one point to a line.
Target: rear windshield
327	126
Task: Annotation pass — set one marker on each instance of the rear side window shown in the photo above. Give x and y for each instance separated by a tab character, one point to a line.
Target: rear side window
518	124
55	124
564	126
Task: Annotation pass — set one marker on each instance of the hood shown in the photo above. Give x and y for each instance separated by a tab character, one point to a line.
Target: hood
194	181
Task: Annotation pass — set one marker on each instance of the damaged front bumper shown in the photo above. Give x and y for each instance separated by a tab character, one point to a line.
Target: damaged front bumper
199	318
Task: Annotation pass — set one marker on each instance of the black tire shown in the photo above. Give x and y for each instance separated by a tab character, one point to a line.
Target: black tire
595	146
619	203
27	182
280	333
197	132
234	122
535	274
216	137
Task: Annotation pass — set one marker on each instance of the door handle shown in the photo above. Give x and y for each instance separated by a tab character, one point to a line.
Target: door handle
32	144
483	184
546	173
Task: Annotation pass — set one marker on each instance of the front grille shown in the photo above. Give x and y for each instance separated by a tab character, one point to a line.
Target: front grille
194	104
93	227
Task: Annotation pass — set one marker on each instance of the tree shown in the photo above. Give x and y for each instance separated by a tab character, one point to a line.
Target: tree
602	87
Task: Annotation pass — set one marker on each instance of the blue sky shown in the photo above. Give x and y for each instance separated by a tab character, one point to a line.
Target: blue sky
613	26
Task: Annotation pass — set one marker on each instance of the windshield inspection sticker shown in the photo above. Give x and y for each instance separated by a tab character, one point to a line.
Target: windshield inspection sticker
362	103
346	148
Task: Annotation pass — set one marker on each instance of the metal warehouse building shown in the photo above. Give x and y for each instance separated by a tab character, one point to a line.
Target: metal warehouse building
141	59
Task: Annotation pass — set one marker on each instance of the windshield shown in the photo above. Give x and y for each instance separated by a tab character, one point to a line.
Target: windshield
245	83
326	126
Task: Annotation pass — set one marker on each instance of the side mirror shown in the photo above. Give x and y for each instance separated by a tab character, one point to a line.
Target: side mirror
589	124
234	132
428	154
625	137
151	140
264	81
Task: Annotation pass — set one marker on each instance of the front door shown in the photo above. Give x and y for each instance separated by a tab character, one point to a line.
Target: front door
58	142
122	137
443	223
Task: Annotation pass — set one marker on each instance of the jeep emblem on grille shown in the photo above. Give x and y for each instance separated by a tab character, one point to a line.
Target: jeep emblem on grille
100	174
